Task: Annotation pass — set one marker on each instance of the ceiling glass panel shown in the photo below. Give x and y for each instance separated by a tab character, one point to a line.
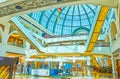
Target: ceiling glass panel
50	28
76	23
2	1
65	20
76	18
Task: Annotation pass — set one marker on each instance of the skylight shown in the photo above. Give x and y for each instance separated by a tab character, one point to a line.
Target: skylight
66	20
2	1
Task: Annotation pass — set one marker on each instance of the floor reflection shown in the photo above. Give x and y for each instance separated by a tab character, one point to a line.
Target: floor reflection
95	76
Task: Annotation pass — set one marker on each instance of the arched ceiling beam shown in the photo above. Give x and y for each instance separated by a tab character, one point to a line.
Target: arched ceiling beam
72	18
54	27
50	18
91	8
79	15
64	20
86	14
40	19
80	28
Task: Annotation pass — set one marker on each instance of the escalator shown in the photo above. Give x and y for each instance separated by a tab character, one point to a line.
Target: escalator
31	35
95	32
25	19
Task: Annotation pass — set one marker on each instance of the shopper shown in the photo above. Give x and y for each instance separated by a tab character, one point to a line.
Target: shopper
28	69
22	67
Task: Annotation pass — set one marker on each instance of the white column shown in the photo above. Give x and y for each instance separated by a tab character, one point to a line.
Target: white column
113	67
106	62
2	48
88	61
60	64
4	21
88	68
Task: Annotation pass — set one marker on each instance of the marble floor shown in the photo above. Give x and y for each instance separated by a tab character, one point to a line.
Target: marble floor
95	76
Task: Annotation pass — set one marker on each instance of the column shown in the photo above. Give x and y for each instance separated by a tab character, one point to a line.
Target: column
113	67
88	68
106	62
50	62
5	33
2	50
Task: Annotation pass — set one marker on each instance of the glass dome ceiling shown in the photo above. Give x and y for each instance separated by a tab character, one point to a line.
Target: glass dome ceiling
2	1
66	20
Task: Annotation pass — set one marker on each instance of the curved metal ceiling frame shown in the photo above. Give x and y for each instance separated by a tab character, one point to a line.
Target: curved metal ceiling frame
91	8
75	15
80	29
64	20
72	26
72	18
56	21
86	14
50	17
79	16
41	17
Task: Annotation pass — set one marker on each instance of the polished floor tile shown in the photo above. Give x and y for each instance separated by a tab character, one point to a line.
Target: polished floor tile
97	76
